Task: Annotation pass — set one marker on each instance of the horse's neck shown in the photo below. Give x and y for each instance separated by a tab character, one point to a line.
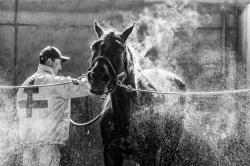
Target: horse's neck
122	105
122	99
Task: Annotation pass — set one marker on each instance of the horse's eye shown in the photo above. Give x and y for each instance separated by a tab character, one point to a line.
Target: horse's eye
103	44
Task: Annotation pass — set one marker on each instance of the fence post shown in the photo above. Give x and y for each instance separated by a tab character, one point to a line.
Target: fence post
15	42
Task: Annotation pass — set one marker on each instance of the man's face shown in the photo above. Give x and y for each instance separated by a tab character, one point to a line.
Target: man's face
56	65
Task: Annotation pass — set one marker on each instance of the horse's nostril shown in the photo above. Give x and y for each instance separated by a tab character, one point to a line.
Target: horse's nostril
105	78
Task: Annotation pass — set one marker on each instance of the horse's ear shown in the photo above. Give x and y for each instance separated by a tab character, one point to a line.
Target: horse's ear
124	35
98	29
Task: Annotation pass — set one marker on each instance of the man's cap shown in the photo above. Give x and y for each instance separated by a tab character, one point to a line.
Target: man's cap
52	52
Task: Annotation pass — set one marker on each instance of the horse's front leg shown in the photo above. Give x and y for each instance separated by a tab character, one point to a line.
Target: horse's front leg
112	158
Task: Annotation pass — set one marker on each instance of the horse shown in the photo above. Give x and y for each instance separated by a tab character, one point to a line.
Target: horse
135	125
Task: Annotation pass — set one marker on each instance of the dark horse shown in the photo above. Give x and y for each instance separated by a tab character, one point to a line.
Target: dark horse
141	126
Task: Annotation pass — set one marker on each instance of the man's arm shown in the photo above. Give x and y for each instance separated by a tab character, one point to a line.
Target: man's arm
74	89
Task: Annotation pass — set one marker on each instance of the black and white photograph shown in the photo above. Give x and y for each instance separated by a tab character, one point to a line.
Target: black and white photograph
124	82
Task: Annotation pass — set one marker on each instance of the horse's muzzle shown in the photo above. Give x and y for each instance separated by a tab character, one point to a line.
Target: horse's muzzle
99	82
99	77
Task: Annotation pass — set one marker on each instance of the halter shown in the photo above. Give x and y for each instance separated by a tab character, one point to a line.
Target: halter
117	78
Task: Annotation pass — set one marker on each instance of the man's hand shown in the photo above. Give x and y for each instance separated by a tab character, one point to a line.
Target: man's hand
75	81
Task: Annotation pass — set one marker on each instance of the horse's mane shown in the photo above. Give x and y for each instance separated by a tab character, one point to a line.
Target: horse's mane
132	60
111	34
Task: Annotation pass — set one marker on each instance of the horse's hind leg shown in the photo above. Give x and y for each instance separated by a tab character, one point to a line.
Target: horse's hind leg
112	159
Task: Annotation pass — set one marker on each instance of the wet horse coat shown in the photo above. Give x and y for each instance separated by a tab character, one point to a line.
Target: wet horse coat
141	126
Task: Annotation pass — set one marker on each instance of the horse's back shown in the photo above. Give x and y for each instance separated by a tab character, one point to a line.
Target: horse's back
162	80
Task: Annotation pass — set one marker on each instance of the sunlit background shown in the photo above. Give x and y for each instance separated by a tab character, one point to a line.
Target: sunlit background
205	42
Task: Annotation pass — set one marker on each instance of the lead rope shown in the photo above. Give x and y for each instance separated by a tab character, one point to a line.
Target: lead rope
46	85
130	89
91	121
33	86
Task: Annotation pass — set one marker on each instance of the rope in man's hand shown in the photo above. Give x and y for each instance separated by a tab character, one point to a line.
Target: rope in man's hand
76	81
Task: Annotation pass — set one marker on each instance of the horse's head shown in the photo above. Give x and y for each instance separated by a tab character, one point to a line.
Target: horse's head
109	60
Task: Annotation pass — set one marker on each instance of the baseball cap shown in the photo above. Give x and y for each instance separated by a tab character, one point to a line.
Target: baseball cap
52	52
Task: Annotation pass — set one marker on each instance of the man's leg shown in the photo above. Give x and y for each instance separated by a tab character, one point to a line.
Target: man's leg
48	155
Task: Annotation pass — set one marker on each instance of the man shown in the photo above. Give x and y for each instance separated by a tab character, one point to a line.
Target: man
44	112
